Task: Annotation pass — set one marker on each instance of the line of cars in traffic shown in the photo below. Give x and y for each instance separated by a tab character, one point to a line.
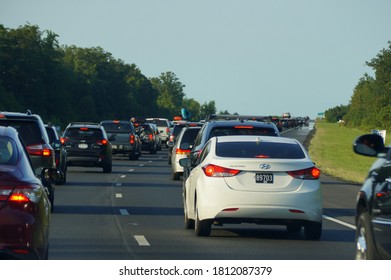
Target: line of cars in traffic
34	158
235	169
233	174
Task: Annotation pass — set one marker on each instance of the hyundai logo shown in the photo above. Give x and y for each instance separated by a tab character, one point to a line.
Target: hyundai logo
265	166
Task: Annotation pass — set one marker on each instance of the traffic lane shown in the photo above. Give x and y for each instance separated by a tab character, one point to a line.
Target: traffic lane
339	197
156	219
83	224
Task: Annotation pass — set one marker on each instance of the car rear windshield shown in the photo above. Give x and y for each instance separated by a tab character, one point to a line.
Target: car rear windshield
117	127
189	135
8	151
84	133
28	131
259	150
159	122
243	130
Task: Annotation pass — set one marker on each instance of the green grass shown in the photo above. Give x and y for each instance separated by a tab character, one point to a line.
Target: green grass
331	148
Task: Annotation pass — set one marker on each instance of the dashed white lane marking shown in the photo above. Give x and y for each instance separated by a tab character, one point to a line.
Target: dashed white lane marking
339	222
141	165
131	170
124	212
141	240
150	161
118	195
118	184
123	176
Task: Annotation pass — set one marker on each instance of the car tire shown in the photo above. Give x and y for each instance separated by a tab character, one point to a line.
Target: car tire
313	231
202	228
176	176
189	223
365	248
107	168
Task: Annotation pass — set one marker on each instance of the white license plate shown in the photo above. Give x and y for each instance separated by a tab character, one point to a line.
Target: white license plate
264	178
83	146
114	146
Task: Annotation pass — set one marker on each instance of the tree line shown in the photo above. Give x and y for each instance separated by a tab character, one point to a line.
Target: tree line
370	105
69	83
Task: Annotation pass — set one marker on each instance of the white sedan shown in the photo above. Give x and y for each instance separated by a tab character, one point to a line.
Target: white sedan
253	179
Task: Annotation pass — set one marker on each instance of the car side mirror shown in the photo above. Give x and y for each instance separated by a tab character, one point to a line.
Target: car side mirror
370	145
185	162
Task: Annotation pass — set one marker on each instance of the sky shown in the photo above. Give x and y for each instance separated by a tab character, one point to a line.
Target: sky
252	57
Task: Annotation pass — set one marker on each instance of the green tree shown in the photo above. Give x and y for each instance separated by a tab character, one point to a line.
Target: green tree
207	109
171	93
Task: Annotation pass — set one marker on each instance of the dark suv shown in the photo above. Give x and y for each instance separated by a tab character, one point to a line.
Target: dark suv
60	154
220	125
87	144
33	133
373	207
123	138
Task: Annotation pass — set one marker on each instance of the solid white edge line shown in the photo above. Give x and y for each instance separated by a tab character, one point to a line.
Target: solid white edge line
141	240
339	222
118	195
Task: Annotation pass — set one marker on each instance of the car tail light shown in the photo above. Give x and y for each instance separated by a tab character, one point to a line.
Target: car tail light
244	127
312	173
167	129
84	128
212	170
102	142
21	195
179	151
40	150
63	140
150	136
131	139
172	137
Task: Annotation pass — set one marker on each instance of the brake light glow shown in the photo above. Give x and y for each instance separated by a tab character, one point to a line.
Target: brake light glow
63	140
21	194
150	136
102	142
84	128
244	126
39	150
311	173
179	151
131	139
212	170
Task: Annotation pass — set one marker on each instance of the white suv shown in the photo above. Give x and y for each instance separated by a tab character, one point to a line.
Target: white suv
163	125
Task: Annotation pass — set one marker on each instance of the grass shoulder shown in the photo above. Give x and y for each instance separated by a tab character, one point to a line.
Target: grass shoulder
330	147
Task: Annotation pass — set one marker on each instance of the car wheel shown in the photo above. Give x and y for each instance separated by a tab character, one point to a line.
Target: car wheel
202	228
313	231
189	223
107	168
176	176
364	239
51	195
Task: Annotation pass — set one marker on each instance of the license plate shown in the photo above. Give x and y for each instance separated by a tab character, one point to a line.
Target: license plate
83	146
264	178
114	146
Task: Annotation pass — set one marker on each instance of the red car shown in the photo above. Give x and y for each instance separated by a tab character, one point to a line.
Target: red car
24	204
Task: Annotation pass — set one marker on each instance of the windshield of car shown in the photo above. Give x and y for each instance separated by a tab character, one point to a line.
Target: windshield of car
158	122
117	127
243	130
259	150
8	151
84	133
